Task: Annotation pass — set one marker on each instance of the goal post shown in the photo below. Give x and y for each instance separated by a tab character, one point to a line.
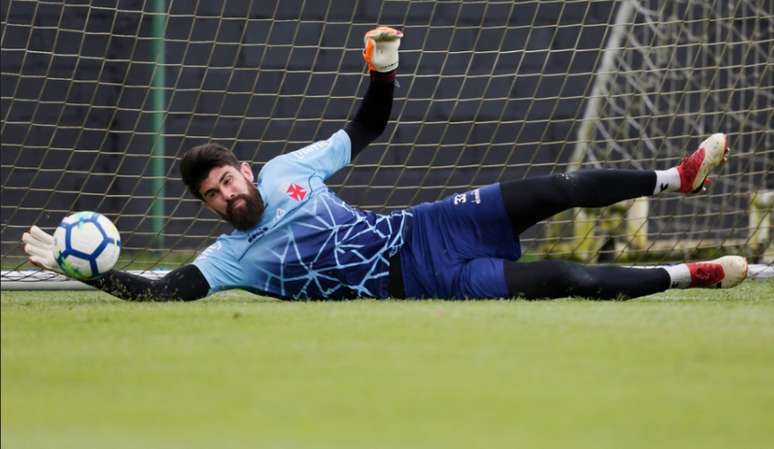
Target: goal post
667	81
99	101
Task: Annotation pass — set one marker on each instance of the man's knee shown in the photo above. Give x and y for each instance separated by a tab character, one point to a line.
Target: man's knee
565	185
547	279
575	279
582	279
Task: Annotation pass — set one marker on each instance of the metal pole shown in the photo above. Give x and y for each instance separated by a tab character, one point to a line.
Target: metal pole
591	114
158	171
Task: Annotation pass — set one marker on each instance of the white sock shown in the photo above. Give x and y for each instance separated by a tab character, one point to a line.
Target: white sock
667	181
679	275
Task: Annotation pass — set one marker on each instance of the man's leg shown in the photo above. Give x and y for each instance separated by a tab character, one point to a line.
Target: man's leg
548	279
556	279
531	200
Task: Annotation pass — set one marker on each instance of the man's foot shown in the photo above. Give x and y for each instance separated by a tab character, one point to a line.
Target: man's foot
725	272
694	168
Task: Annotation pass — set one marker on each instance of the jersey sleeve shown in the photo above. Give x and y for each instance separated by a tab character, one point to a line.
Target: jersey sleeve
324	157
219	267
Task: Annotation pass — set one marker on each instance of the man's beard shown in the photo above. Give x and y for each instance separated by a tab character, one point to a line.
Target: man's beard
247	216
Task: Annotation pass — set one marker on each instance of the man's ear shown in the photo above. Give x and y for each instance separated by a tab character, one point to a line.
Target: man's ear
247	171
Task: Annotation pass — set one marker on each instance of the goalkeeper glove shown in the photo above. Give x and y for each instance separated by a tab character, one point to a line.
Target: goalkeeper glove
381	49
39	246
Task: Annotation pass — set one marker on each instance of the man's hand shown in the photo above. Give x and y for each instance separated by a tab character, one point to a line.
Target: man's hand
39	246
381	49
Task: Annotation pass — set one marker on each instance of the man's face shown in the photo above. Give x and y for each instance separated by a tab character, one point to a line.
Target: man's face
229	192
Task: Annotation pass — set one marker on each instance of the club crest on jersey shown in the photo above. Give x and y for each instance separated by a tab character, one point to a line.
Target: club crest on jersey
296	192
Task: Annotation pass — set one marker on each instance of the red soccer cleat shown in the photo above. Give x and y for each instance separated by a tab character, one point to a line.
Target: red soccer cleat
694	168
725	272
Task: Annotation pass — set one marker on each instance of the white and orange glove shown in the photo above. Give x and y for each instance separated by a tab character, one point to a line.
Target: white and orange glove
381	49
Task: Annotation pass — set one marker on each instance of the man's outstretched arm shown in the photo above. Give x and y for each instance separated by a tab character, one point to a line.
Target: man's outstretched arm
381	55
183	284
186	283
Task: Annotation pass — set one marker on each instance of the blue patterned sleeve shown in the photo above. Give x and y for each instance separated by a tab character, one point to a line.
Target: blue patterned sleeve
219	267
324	157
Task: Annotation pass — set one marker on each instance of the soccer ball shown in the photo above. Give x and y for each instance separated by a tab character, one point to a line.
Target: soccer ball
86	245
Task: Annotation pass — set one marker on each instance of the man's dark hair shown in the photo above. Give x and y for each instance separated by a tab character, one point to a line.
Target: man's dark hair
198	161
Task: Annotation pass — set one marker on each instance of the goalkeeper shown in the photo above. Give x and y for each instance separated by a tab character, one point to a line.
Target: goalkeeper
295	239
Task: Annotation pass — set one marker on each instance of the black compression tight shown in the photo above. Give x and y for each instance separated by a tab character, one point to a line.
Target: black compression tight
531	200
558	278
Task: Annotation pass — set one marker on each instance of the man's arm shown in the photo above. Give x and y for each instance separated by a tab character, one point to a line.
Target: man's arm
186	283
381	55
183	284
371	118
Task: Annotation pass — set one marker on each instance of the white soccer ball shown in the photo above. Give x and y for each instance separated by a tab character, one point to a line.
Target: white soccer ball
86	245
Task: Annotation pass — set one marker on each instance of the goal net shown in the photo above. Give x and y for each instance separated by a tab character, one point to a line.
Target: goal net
100	100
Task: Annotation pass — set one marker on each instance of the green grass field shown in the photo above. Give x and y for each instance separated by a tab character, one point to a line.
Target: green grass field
685	369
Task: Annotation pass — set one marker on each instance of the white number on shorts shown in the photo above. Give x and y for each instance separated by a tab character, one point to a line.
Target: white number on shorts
476	196
463	197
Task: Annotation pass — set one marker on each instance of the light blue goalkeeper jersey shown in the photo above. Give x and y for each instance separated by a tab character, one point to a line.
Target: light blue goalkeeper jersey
309	243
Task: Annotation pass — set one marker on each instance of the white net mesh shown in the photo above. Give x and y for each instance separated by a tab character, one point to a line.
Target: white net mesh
100	100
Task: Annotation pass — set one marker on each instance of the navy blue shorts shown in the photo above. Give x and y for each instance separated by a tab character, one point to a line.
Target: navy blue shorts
456	247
